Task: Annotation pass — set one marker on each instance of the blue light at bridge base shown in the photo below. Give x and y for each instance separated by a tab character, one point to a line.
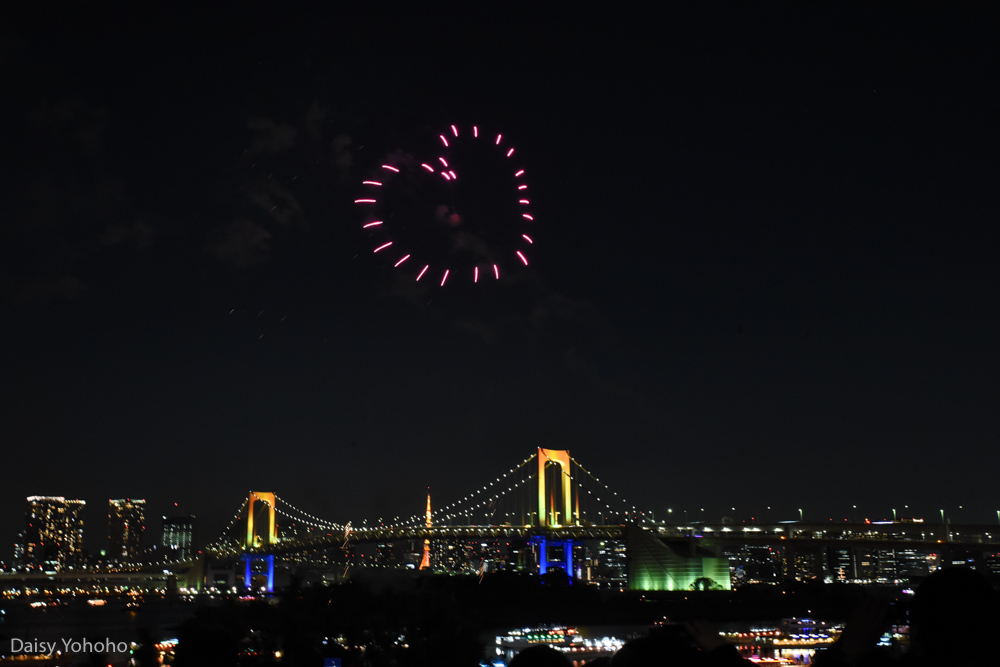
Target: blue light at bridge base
543	555
248	572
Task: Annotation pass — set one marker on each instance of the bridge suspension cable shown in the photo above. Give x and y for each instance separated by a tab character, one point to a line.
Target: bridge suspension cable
311	524
471	504
443	512
491	500
219	543
468	506
319	523
635	512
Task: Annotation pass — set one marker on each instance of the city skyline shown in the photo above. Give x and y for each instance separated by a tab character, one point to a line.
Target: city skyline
177	527
662	555
117	535
762	272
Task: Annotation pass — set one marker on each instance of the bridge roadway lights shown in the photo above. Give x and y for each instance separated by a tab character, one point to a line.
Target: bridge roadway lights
248	572
543	550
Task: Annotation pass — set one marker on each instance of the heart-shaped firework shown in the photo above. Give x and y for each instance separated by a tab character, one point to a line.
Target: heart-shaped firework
462	215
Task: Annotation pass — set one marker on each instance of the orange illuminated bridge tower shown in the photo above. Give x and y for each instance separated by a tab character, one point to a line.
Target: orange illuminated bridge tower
555	505
271	536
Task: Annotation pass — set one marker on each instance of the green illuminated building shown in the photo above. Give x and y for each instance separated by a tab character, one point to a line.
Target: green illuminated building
655	565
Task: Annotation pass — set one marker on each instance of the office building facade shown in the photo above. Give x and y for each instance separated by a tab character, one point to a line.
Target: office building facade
52	539
126	525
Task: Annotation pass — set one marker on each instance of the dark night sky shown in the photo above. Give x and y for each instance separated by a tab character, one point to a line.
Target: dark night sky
765	269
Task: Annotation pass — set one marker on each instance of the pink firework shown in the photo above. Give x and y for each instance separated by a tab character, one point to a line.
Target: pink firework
393	226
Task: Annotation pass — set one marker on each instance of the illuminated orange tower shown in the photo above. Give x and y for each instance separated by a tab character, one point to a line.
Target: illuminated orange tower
253	539
425	562
547	515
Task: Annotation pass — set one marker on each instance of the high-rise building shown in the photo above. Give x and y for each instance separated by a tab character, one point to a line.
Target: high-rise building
607	563
177	533
754	564
126	524
53	534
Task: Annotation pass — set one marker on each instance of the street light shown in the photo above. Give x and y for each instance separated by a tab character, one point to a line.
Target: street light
800	516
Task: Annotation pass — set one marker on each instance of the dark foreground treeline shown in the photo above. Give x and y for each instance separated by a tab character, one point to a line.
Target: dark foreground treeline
417	619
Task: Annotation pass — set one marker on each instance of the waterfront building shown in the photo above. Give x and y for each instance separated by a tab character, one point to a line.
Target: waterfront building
126	525
669	565
52	539
177	537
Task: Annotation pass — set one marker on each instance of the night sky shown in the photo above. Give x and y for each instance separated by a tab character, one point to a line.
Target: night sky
765	269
